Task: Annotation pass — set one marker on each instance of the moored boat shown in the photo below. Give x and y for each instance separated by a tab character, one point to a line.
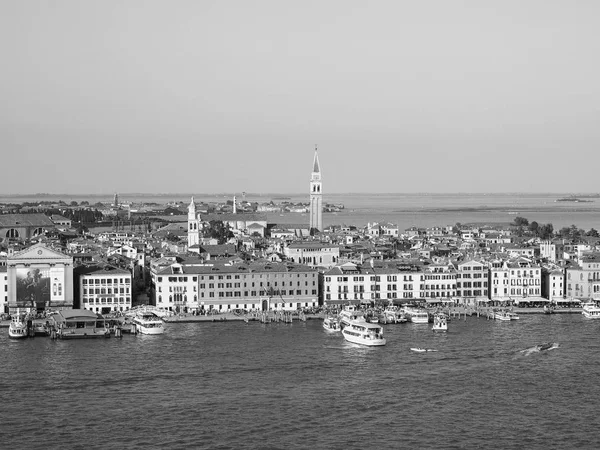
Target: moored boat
17	328
331	324
591	310
361	332
440	323
41	328
348	314
416	315
148	323
502	316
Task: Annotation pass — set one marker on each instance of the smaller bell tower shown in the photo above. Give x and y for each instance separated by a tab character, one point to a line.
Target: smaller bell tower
193	225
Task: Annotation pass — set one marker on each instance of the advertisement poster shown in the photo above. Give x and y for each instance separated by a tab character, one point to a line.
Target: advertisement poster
57	284
33	286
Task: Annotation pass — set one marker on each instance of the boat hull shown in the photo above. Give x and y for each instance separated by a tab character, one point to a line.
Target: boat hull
362	341
145	330
17	333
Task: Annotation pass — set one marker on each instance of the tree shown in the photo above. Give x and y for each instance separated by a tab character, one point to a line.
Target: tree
546	231
593	233
521	221
534	227
220	231
74	203
456	228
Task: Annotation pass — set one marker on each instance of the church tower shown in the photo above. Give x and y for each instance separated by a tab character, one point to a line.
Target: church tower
193	225
316	197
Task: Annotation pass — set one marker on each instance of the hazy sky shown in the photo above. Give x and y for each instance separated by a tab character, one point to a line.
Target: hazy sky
231	96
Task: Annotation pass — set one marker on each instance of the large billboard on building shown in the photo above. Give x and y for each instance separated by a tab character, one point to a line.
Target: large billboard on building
37	286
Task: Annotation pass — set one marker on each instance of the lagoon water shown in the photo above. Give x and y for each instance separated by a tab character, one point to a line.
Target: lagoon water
228	385
406	210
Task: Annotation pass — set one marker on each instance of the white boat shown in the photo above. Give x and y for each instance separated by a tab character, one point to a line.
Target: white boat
148	323
361	332
513	315
17	328
422	350
348	314
440	323
415	315
331	324
591	310
502	315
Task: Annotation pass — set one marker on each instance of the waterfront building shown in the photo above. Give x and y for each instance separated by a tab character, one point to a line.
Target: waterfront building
525	279
583	279
499	282
553	284
39	278
472	282
439	283
103	288
316	197
23	227
367	283
313	253
224	286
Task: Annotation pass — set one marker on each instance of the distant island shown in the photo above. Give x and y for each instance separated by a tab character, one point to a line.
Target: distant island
575	199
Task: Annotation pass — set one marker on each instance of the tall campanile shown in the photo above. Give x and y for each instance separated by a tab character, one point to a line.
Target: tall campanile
316	197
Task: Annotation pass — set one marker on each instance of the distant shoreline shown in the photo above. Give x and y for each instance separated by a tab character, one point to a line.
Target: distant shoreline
296	194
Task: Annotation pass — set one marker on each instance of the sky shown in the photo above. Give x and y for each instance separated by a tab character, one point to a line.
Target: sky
230	96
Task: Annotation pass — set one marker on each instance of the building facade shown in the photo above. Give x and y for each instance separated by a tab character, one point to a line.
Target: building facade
472	282
314	254
39	278
223	286
3	290
104	289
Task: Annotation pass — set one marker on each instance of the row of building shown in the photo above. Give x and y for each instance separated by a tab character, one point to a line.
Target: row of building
41	278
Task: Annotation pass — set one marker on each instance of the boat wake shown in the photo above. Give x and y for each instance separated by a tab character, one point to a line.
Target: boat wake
540	348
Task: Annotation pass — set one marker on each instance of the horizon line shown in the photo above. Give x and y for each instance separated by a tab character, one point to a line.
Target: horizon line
163	194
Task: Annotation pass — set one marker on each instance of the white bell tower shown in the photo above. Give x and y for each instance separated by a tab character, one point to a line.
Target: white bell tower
316	196
193	225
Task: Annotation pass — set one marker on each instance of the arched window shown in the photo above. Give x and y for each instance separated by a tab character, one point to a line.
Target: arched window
38	231
12	233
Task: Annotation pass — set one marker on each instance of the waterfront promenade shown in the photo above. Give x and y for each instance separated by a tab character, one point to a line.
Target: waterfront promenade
457	311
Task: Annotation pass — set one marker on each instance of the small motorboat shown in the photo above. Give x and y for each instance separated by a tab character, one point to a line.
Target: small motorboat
331	324
422	350
547	346
440	323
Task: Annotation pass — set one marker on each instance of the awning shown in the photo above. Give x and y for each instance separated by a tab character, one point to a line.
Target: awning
566	300
344	302
531	300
